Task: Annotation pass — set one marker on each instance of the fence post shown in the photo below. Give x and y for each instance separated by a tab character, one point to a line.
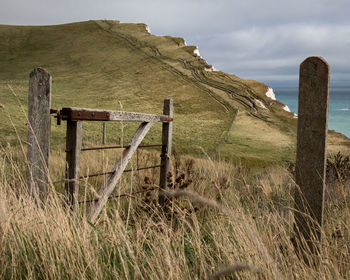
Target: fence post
311	151
167	132
104	133
39	128
73	150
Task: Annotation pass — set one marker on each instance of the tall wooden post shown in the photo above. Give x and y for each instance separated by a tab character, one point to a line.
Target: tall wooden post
167	132
73	150
39	128
311	150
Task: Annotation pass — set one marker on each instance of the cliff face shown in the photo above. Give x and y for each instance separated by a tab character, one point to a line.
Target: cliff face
108	64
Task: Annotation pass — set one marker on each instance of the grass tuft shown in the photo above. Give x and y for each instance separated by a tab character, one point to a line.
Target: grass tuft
227	215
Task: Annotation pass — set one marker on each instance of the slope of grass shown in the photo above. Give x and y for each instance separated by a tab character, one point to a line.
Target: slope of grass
93	68
269	146
112	65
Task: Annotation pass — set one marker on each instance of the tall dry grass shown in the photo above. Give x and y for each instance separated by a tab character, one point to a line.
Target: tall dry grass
228	221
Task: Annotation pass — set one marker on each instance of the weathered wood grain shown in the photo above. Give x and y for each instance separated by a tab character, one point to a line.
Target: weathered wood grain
86	114
167	132
39	128
73	150
311	149
118	169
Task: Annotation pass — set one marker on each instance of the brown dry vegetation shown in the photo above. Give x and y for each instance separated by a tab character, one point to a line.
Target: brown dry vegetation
222	220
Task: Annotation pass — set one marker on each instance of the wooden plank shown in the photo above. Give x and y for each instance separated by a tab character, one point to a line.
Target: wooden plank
118	169
76	114
311	149
73	150
167	132
39	128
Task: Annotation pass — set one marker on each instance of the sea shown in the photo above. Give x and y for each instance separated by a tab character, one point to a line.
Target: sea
339	106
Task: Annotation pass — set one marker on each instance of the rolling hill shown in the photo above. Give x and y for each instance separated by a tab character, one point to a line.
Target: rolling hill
121	66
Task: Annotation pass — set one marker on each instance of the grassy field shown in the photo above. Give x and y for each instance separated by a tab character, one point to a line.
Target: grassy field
227	217
223	220
112	65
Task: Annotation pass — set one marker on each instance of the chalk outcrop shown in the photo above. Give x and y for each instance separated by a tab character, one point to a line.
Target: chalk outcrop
286	108
211	69
260	104
196	52
270	94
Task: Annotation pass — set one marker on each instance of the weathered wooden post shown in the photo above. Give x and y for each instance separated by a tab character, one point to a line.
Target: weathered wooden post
39	128
73	150
167	132
311	151
104	133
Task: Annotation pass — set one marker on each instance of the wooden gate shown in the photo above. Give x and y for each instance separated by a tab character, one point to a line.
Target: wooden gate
39	141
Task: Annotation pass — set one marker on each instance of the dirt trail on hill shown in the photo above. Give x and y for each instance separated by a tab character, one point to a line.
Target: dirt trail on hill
235	90
246	100
155	54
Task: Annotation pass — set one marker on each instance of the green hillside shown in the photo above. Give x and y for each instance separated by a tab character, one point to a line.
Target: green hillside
120	66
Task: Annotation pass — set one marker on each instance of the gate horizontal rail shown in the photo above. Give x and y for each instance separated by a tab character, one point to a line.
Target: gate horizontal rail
117	147
106	173
126	170
85	114
121	195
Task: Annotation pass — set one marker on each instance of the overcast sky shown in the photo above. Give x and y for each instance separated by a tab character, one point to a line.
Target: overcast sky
264	40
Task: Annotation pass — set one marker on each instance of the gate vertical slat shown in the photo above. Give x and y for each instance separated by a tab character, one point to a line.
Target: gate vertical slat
73	150
167	132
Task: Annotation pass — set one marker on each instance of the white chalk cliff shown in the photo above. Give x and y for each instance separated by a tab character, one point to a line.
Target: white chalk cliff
270	94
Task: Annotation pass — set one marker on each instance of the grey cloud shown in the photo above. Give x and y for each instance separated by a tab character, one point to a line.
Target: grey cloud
273	51
256	39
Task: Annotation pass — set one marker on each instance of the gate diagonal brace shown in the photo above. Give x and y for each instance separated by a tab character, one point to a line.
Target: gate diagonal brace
118	169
